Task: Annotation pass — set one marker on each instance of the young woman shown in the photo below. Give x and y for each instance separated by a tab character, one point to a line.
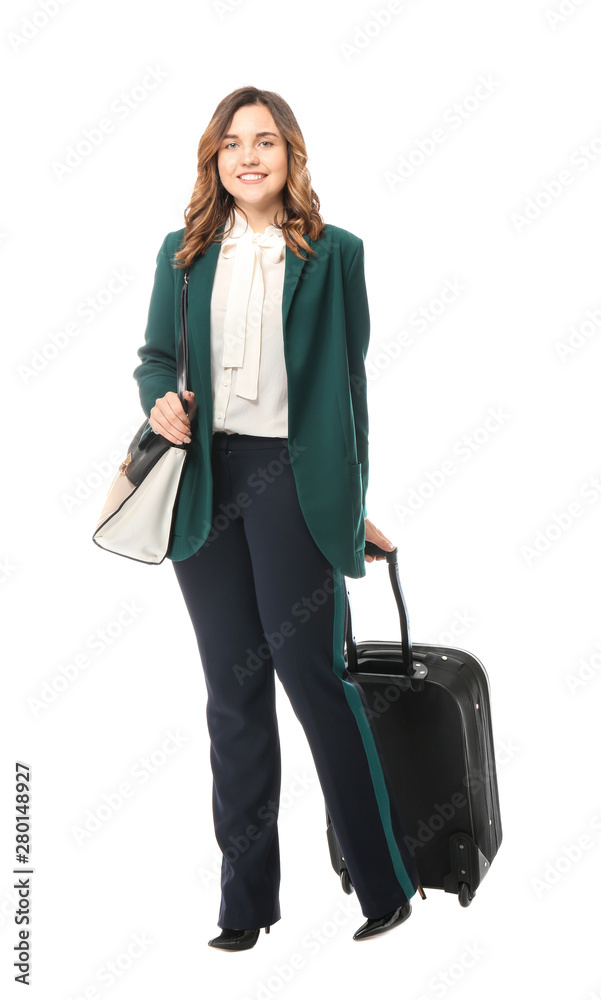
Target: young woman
271	512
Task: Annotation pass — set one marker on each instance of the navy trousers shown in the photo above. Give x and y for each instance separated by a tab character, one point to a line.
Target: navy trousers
264	600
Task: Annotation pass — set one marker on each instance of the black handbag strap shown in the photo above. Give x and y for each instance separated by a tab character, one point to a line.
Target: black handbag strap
408	669
182	346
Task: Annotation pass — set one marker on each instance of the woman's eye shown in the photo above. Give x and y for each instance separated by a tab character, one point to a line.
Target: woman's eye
261	143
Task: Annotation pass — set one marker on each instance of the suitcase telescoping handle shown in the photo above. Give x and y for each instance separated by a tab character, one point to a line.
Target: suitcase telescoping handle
371	549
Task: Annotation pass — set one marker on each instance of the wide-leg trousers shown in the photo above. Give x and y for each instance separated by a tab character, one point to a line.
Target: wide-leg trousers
264	600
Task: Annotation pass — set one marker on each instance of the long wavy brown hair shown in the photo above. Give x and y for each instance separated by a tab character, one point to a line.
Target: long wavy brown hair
211	204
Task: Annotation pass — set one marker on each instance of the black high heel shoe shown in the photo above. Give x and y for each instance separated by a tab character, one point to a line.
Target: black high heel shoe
376	925
232	939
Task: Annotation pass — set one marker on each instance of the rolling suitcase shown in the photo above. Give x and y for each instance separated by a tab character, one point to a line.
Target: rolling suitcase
430	707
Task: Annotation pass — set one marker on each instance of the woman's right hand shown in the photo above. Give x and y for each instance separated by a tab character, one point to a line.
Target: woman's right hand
168	417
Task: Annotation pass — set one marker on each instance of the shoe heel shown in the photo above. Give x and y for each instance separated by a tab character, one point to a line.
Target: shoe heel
267	930
421	891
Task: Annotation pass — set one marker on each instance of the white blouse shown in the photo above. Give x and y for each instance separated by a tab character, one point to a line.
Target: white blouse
248	370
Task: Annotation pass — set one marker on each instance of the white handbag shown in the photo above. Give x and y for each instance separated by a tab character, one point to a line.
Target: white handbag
137	516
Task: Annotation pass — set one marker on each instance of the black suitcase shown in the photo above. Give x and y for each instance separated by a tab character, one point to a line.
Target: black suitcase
430	707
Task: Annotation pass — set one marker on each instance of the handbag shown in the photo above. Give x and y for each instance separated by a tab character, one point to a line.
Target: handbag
137	516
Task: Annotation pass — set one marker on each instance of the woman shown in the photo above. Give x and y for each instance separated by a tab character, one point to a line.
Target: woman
271	511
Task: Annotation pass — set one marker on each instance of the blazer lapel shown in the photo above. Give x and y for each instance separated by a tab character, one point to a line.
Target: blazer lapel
200	287
292	273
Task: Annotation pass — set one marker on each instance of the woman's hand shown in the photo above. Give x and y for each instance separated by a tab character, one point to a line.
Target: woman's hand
372	534
168	417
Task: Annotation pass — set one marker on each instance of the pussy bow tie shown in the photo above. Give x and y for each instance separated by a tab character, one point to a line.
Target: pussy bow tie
242	328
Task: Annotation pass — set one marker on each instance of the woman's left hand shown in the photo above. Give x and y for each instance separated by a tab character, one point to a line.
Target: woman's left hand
372	534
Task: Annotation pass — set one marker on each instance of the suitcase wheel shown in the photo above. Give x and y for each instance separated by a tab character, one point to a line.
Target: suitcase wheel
465	896
345	879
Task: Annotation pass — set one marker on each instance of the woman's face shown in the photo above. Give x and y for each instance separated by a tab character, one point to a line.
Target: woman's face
254	145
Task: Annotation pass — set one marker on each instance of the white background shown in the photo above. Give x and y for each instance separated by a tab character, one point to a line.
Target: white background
508	541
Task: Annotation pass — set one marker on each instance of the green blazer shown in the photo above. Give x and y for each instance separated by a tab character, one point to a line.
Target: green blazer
326	328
